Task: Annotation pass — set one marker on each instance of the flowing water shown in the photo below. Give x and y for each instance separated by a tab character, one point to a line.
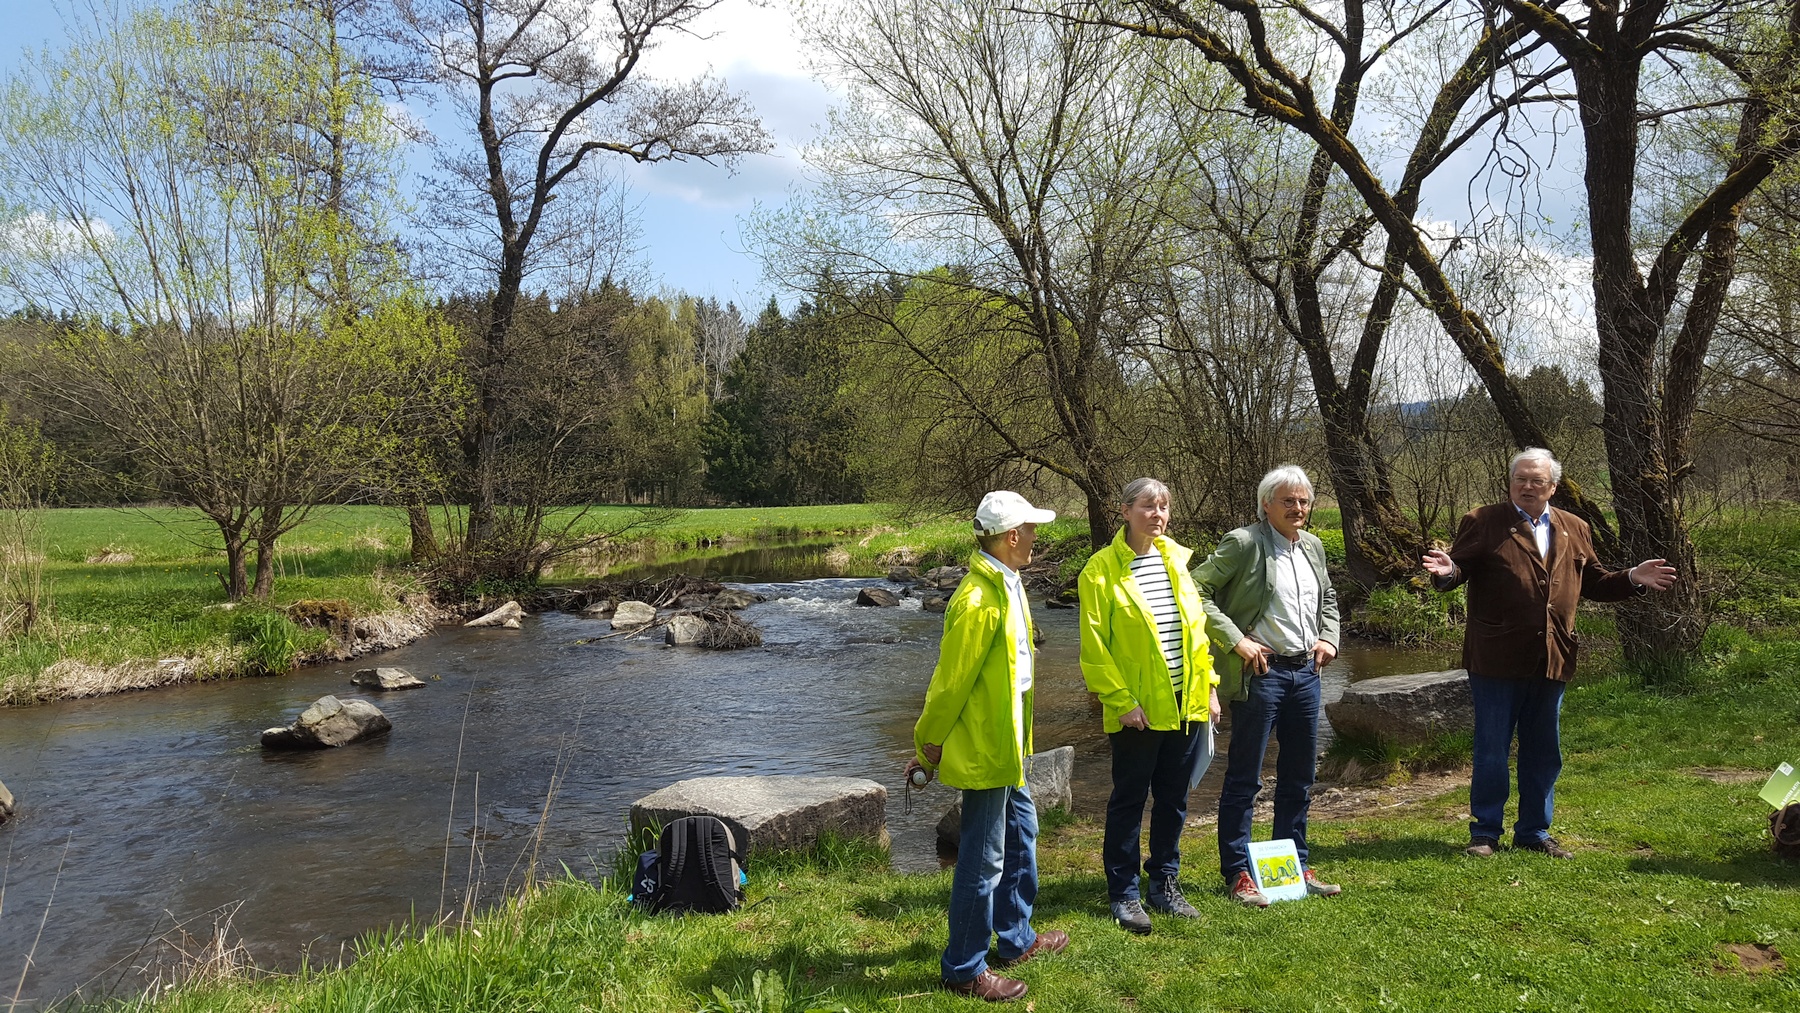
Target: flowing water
149	815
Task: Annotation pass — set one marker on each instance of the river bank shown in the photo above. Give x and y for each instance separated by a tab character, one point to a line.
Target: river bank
134	599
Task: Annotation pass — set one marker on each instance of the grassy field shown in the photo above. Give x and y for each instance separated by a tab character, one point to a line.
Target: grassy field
1673	891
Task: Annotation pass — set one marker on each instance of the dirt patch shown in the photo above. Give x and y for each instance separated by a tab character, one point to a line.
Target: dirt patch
1729	775
1749	958
1356	801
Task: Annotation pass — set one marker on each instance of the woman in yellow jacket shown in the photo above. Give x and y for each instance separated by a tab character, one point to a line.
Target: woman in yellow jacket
1144	654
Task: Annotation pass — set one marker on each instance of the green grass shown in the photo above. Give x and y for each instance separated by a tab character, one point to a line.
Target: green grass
1671	867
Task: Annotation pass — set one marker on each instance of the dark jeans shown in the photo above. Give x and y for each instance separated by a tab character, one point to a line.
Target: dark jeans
995	883
1284	701
1532	708
1147	763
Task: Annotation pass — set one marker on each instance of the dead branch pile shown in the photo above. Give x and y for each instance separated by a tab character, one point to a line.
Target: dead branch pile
725	631
657	593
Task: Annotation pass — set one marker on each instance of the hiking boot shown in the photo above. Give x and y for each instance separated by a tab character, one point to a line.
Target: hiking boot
989	986
1243	890
1131	917
1165	896
1316	887
1548	846
1047	942
1482	847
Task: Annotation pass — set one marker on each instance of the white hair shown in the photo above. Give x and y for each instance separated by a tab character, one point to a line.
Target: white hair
1536	454
1288	476
1138	488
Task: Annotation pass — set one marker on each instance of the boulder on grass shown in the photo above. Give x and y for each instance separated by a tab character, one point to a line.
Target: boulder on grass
7	804
1050	774
878	596
685	631
1406	709
633	615
329	723
773	813
506	616
386	679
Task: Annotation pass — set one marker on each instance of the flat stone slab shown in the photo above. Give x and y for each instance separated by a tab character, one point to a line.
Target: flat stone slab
774	812
387	680
1405	708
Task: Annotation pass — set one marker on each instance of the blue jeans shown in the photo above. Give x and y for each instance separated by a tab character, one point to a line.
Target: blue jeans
1162	765
1532	708
995	882
1284	701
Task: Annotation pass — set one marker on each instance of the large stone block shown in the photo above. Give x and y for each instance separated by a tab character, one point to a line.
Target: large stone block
1405	708
633	615
877	596
1050	775
507	616
7	805
775	812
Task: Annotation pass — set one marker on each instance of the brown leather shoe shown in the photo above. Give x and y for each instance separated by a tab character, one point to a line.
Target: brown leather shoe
1549	847
1482	847
1049	941
989	986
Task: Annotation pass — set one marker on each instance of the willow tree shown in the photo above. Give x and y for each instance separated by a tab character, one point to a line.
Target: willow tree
164	194
1032	159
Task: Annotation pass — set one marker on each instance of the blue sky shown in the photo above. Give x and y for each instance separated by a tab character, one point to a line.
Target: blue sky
690	214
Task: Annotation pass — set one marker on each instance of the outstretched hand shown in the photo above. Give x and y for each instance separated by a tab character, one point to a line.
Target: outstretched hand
1438	563
1655	574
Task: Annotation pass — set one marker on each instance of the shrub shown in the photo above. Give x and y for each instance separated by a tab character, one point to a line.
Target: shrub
272	642
1404	616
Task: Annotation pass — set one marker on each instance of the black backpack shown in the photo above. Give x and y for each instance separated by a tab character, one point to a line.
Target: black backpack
698	868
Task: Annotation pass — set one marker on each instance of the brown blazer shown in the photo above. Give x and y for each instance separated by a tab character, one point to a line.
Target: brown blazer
1522	611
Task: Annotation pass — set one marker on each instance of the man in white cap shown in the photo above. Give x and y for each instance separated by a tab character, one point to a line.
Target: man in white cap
975	733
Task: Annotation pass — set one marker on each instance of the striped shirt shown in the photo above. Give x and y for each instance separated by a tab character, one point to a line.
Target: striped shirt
1152	577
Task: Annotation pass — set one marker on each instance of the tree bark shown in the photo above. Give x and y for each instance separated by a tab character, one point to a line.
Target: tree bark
423	537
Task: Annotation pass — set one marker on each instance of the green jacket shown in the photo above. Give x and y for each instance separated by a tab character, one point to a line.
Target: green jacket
969	704
1121	655
1237	586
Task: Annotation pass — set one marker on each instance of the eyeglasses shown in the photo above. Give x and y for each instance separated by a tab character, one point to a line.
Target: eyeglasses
1533	483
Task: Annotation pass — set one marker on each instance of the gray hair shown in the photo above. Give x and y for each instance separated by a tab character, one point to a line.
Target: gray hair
1138	488
1288	476
1536	454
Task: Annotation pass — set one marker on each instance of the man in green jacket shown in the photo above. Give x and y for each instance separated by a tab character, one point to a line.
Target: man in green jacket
1272	615
975	733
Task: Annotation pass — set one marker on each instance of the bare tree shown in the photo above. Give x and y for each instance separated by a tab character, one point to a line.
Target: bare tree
541	85
1650	361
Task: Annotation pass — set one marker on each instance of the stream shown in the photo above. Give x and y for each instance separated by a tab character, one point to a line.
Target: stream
158	817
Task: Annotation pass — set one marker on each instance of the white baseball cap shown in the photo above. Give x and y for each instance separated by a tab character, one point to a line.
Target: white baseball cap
1004	511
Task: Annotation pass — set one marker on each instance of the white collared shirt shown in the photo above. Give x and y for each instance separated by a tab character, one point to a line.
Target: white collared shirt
1291	623
1018	612
1540	529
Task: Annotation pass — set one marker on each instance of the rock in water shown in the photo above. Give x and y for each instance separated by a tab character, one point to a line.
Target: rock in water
1405	708
774	813
903	575
8	805
685	630
633	615
879	596
935	603
329	723
734	598
598	610
386	679
507	616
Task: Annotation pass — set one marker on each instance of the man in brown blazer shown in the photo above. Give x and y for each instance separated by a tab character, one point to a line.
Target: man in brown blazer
1527	564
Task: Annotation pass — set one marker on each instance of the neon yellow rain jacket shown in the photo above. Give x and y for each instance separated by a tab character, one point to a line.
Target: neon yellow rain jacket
1121	657
969	704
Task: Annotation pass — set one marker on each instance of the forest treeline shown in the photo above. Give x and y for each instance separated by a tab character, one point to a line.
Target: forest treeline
1048	248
